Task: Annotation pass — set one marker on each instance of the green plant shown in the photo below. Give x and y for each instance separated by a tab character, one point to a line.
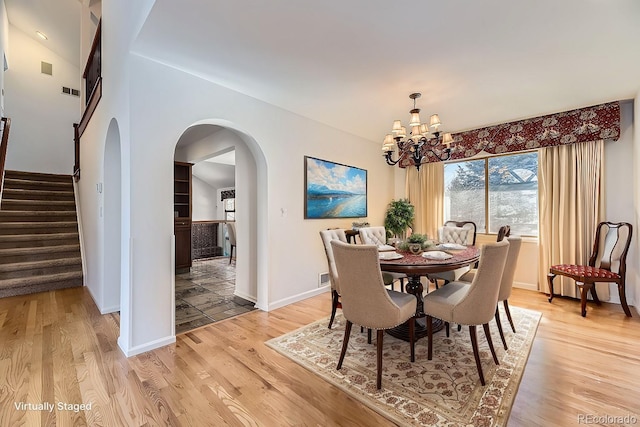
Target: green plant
417	238
399	217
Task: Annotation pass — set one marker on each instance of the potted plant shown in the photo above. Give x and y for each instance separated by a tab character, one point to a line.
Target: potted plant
399	217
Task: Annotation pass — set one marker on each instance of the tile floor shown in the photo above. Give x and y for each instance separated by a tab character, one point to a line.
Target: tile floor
205	294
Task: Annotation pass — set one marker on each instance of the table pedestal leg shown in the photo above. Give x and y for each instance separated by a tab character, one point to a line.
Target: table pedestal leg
415	288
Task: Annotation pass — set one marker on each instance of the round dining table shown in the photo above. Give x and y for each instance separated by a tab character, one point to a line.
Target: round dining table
415	266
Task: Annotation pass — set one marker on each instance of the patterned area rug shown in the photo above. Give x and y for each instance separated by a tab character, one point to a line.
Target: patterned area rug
444	391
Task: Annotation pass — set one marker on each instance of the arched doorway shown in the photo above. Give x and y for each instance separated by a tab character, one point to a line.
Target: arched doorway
111	212
203	140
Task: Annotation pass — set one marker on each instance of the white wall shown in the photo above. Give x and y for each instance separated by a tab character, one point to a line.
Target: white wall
287	274
41	115
4	50
204	206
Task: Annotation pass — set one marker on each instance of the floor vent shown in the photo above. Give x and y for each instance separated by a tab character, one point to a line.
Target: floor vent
323	279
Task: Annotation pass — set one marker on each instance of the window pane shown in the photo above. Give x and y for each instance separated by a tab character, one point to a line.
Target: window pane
513	193
464	192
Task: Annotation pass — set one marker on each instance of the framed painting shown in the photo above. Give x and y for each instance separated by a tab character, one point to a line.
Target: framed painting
333	190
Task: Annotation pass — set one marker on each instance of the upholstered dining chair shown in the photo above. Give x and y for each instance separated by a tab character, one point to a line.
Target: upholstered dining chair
366	301
470	304
462	233
231	230
506	283
606	264
327	236
378	236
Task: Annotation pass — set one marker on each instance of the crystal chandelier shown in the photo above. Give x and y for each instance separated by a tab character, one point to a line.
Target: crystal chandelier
420	142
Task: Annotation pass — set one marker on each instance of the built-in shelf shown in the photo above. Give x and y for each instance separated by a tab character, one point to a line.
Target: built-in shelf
182	213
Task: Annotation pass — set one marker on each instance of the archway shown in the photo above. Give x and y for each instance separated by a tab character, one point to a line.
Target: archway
205	138
111	212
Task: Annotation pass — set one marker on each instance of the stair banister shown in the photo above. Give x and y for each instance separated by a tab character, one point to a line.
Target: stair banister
6	125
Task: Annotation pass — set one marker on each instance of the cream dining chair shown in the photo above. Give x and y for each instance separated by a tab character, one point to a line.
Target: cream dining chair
506	284
458	232
473	304
327	236
366	301
378	236
231	230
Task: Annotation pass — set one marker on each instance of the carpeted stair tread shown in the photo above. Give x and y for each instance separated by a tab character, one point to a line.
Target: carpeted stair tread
25	194
38	224
38	250
6	215
39	280
37	185
39	176
33	265
53	205
29	237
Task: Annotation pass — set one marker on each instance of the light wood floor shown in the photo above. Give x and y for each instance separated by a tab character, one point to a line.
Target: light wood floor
56	347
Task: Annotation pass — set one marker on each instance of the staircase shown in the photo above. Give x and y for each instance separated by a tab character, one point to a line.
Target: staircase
39	243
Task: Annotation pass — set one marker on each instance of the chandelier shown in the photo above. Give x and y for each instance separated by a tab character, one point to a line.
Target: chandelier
420	142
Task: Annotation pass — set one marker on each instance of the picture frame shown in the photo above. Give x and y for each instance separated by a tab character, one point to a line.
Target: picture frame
333	190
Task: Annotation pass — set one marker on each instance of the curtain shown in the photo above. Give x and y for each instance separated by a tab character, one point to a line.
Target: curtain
425	191
570	181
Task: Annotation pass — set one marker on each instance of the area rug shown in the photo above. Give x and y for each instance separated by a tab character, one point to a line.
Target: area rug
444	391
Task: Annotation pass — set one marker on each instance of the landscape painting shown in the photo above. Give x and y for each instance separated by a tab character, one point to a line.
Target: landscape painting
333	190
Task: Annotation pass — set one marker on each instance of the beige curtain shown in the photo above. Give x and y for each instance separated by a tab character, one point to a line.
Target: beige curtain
425	191
570	181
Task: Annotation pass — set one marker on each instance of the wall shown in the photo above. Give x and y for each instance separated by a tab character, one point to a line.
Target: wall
41	116
286	273
633	278
203	201
4	50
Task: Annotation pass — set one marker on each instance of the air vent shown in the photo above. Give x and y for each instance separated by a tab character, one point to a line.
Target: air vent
69	91
323	280
46	68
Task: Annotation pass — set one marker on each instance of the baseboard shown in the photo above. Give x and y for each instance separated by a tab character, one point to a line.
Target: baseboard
111	309
134	351
295	298
527	286
245	296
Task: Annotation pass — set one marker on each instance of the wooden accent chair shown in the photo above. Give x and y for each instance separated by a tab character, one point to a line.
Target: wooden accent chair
327	236
470	304
378	236
606	264
231	230
366	301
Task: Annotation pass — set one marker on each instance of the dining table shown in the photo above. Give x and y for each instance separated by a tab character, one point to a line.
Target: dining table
416	266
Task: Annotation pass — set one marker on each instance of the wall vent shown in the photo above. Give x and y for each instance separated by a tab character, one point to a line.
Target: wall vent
46	68
69	91
323	280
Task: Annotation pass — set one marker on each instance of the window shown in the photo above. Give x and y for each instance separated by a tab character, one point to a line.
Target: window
510	198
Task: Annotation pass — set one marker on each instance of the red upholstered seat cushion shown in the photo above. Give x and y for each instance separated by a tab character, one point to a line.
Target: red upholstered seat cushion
586	271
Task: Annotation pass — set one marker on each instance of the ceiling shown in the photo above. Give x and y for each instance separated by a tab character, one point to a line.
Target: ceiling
59	20
352	64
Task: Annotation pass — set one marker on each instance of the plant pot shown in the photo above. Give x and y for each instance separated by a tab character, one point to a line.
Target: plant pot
415	248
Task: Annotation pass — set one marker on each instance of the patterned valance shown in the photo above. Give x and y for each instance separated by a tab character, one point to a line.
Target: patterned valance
581	125
227	194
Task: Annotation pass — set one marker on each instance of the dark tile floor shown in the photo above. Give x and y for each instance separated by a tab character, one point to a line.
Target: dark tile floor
205	294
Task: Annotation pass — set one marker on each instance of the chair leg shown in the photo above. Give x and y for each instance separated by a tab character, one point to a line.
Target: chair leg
231	254
476	354
380	334
497	316
459	328
334	306
412	338
623	298
550	278
487	334
446	328
368	336
594	294
506	310
584	289
429	337
345	342
401	284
